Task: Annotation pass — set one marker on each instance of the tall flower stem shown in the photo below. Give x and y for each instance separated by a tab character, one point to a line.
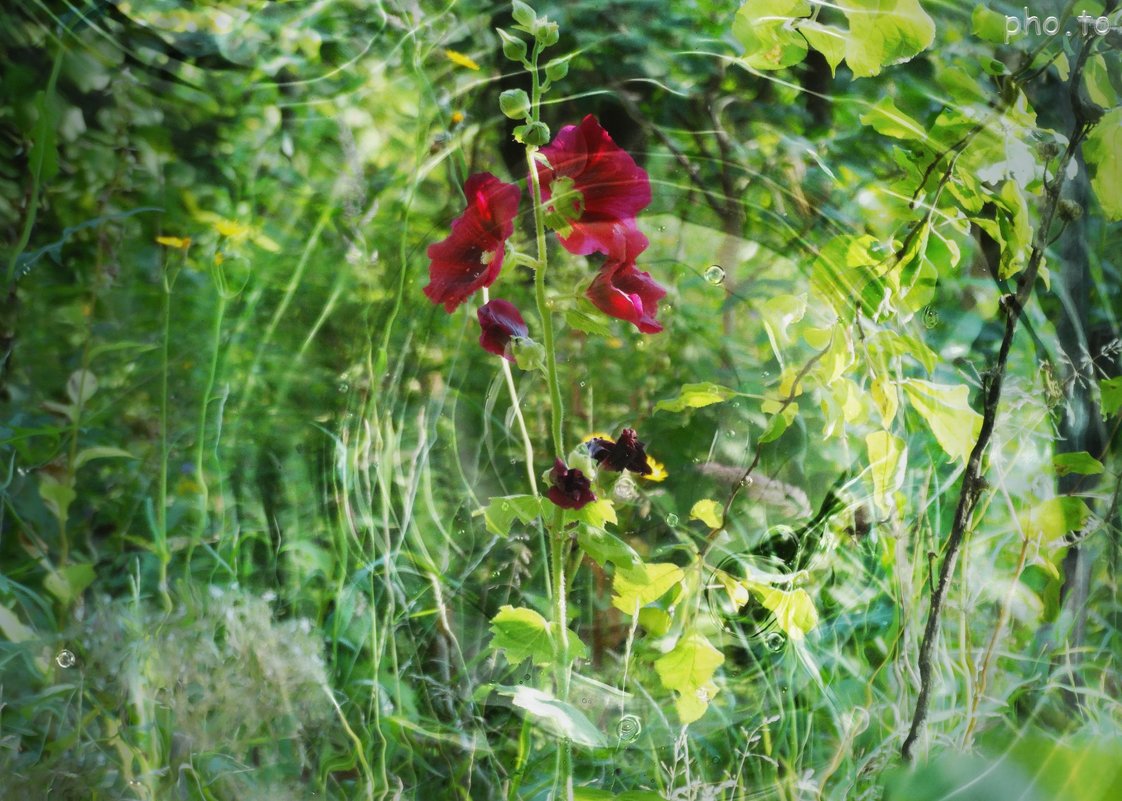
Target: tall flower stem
564	774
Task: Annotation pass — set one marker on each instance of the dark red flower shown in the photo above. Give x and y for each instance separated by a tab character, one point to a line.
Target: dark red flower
500	322
626	453
591	186
571	489
472	255
623	291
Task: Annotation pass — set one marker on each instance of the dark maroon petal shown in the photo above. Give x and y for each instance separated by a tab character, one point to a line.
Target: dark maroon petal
571	488
613	188
499	322
626	453
471	256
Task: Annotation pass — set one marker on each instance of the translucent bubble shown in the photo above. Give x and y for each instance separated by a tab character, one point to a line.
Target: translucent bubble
746	481
625	490
774	641
629	728
715	274
66	658
344	387
672	519
930	317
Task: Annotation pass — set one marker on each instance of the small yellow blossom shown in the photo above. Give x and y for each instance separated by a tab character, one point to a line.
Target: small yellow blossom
658	470
461	60
457	117
219	257
597	435
231	228
181	242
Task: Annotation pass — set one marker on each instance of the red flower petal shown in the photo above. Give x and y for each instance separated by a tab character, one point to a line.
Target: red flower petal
499	322
621	290
613	188
470	257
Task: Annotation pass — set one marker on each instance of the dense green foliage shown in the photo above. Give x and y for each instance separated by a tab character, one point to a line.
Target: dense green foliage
266	529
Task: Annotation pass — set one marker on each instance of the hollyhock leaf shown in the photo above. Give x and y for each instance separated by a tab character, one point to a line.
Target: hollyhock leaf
612	188
596	514
688	670
499	323
522	634
604	547
471	256
583	321
1048	521
501	512
696	396
558	718
636	587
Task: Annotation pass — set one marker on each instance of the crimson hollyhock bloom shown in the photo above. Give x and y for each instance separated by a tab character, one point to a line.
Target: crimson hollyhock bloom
623	291
571	488
500	322
626	453
591	186
470	257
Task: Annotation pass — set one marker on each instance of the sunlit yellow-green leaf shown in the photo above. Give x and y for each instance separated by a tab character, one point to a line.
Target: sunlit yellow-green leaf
765	29
1079	462
639	586
793	609
948	414
688	670
1050	520
695	396
884	32
888	459
708	512
1101	151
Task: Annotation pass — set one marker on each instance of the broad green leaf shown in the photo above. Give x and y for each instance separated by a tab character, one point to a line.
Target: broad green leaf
522	633
644	584
765	29
888	459
69	582
1050	520
708	512
793	609
884	32
501	512
1101	151
604	547
688	670
826	39
557	717
1096	80
1078	462
654	620
886	119
988	25
596	514
1110	394
695	396
948	414
100	452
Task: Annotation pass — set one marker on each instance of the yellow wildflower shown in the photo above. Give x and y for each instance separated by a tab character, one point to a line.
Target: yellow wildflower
181	242
658	470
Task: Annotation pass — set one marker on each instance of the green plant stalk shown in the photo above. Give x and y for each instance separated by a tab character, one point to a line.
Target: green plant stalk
564	775
36	178
208	390
162	493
